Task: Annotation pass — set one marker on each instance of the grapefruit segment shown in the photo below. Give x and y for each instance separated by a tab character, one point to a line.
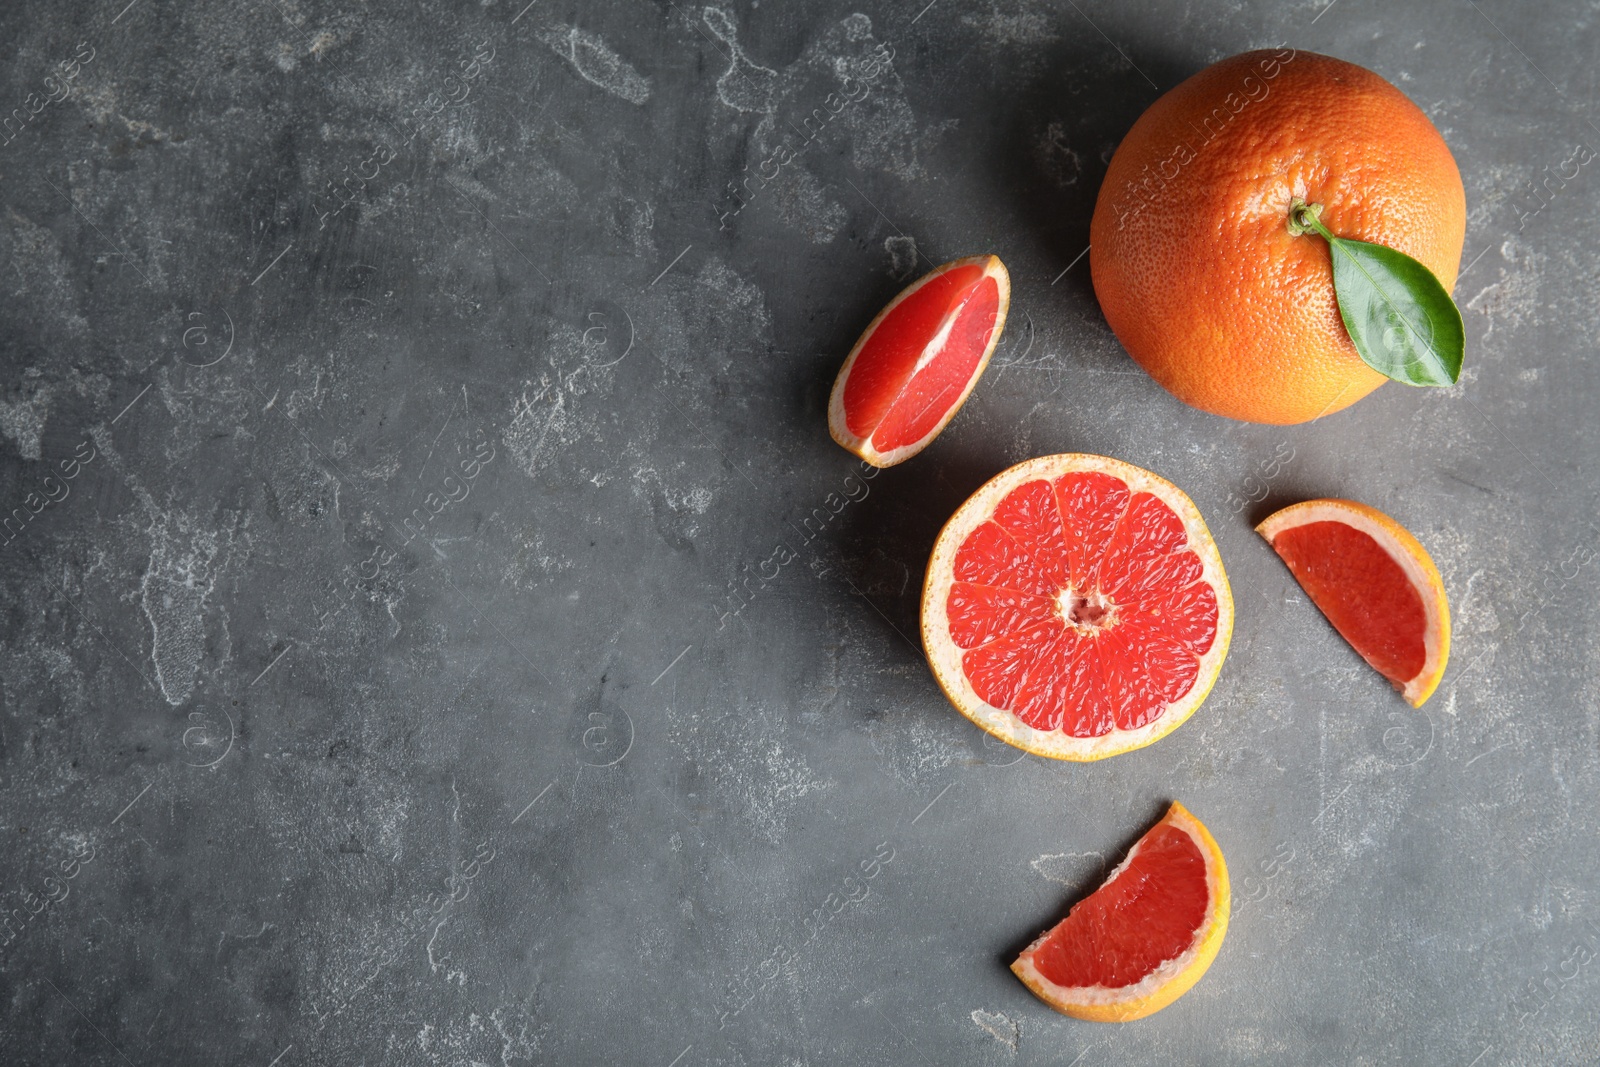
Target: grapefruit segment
1091	503
991	555
1076	607
1142	939
1374	582
980	613
912	369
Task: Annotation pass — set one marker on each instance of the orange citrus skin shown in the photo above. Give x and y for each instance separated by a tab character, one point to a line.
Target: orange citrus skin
1190	250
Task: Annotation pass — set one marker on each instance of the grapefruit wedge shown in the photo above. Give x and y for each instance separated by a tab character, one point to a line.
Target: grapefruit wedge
1145	937
1076	607
912	369
1375	583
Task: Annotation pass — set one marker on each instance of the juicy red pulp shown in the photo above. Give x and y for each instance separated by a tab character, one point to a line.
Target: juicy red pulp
1145	916
887	399
1080	607
1363	591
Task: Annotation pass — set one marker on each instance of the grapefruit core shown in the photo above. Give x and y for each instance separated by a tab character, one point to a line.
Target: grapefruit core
1374	582
1145	937
912	369
1076	607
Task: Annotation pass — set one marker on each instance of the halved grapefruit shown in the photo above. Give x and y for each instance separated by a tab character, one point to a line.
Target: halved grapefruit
1076	607
1145	937
1375	582
912	369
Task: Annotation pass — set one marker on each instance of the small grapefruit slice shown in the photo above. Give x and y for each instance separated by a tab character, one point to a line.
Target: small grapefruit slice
912	369
1145	937
1076	607
1375	583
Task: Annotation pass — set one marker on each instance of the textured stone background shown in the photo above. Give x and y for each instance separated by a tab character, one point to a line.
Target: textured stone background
286	781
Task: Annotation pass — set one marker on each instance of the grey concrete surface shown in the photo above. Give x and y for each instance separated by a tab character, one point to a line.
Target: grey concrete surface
403	395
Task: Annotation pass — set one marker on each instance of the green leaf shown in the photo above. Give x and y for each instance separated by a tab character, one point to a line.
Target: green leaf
1400	317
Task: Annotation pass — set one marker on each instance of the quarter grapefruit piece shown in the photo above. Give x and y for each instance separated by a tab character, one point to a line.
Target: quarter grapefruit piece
1076	607
912	369
1375	583
1143	938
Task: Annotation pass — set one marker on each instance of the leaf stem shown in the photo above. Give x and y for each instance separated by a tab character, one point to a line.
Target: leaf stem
1398	315
1307	218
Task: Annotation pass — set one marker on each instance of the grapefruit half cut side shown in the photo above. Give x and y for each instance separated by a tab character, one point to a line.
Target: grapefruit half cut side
1076	607
1145	937
913	368
1374	582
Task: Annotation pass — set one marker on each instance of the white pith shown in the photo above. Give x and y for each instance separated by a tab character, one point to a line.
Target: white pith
862	446
936	343
945	656
1416	563
1096	600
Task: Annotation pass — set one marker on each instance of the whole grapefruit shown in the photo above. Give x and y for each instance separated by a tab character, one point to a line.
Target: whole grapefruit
1190	247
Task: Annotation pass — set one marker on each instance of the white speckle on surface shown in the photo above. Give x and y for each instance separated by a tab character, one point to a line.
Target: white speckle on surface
435	962
174	594
999	1026
902	256
804	204
883	130
785	780
635	220
857	27
548	417
1072	869
745	85
309	400
39	276
1061	162
529	438
1474	612
693	501
757	777
1016	24
742	297
1514	299
23	420
323	43
914	749
514	1039
594	60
